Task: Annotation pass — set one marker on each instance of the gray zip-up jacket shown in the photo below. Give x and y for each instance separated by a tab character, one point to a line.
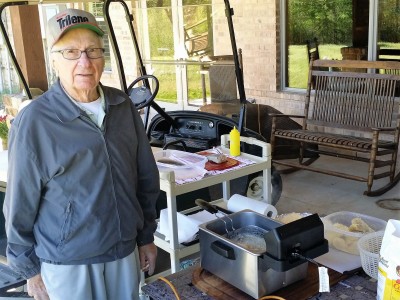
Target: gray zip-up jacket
77	194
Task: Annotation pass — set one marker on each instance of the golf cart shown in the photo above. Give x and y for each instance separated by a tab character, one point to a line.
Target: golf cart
187	130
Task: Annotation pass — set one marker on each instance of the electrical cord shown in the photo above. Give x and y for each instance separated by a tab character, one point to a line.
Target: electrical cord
171	286
271	297
298	255
295	254
178	298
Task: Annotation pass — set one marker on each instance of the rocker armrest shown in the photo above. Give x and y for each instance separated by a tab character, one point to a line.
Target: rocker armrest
384	128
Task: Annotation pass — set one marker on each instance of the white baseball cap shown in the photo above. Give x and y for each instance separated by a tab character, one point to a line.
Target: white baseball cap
68	19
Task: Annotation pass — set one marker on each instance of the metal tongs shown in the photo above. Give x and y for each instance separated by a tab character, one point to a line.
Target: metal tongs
213	209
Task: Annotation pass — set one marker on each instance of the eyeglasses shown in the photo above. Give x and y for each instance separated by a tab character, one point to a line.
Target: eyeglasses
73	54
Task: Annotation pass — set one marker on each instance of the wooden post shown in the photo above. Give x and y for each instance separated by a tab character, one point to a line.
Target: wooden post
28	45
360	23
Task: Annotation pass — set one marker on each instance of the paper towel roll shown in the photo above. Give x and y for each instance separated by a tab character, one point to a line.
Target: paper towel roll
238	202
188	225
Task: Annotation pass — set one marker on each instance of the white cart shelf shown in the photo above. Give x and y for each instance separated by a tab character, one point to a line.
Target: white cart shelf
168	185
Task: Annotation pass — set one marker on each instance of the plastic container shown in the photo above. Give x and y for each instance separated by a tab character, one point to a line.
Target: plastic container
369	246
345	240
184	164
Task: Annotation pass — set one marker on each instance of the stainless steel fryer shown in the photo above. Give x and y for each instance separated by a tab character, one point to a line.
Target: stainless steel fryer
255	272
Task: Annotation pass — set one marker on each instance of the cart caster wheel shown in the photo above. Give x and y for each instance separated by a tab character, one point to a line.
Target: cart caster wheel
255	187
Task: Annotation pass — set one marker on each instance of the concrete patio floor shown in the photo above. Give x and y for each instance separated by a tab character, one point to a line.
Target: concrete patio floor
305	191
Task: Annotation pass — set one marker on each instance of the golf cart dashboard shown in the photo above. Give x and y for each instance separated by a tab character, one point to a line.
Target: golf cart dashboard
197	127
198	130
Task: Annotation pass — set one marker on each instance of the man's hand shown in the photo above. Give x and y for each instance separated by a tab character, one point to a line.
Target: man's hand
147	256
36	288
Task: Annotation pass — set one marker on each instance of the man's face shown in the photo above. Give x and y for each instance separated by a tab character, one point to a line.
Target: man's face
80	76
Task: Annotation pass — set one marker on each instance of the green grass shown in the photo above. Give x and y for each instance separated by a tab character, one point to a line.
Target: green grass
298	62
167	77
298	70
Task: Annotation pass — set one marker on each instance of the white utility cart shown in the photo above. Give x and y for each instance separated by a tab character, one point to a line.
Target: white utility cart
172	189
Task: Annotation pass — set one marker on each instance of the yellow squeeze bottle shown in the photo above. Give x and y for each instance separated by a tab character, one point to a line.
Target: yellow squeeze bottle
234	146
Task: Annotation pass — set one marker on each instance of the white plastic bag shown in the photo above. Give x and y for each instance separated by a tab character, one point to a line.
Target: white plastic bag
389	263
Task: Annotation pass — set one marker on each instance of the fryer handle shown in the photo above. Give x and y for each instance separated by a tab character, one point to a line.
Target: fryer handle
223	250
206	206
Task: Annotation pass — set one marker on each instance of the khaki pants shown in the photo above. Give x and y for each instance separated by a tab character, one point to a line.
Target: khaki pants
117	280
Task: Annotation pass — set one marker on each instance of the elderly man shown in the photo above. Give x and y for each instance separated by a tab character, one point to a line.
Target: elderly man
82	181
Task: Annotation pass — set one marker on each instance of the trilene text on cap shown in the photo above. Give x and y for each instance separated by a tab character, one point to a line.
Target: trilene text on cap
68	20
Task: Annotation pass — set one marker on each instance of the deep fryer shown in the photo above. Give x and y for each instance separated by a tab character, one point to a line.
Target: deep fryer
256	272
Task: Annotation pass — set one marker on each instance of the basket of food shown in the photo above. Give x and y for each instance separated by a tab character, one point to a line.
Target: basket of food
369	246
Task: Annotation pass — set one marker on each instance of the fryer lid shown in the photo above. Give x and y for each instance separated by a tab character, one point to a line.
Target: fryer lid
304	236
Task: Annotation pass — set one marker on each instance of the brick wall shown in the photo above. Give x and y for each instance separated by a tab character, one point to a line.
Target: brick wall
257	32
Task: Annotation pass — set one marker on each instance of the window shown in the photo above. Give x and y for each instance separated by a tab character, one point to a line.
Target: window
342	29
178	40
331	22
388	33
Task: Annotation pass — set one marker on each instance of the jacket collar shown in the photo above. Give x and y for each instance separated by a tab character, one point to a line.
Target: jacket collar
67	111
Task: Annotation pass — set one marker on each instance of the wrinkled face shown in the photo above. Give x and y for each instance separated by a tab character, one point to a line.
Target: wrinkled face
80	76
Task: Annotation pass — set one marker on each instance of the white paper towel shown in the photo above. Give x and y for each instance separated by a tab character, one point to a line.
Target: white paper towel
188	225
238	202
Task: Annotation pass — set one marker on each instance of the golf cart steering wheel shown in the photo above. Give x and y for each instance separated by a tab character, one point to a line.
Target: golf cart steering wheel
143	95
